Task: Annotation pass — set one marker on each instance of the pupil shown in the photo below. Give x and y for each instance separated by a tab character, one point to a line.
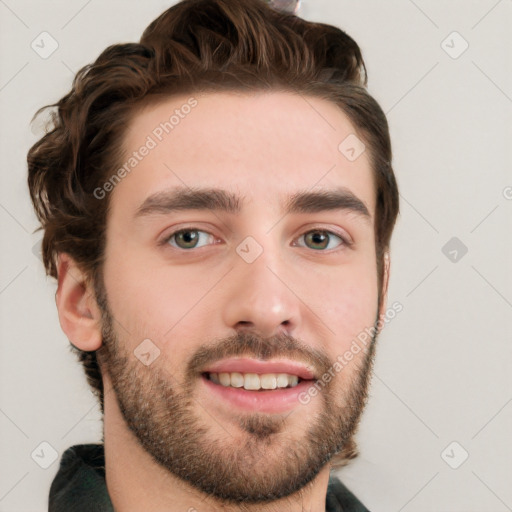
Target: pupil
188	236
319	238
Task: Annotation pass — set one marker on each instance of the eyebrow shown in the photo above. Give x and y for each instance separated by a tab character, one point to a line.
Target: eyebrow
219	200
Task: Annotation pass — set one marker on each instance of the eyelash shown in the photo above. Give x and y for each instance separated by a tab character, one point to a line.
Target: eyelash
344	241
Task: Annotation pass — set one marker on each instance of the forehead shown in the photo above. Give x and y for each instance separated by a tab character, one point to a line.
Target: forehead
267	144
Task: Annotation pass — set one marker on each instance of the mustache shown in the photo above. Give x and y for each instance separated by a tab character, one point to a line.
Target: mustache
250	344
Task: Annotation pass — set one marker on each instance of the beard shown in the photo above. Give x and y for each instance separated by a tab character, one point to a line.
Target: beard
263	460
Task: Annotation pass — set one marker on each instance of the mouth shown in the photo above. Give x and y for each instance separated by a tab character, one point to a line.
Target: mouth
254	381
257	386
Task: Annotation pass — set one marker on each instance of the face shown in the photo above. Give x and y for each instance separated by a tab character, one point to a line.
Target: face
239	268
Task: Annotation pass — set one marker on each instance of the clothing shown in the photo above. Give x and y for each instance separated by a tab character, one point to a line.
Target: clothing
79	485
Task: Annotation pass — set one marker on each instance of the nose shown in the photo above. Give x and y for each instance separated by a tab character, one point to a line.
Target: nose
260	297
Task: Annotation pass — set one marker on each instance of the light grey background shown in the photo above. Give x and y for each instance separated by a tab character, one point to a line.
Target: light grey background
444	365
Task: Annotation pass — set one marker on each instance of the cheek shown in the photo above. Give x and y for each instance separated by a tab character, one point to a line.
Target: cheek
347	303
350	310
157	301
351	313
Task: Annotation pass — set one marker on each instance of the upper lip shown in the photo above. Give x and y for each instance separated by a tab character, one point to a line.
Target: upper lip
248	365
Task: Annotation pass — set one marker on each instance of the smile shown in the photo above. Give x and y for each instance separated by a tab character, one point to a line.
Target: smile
254	381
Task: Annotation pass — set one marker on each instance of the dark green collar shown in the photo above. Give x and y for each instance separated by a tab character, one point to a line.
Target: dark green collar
79	485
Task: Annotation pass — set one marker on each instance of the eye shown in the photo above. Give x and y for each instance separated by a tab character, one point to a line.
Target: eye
191	238
320	239
188	238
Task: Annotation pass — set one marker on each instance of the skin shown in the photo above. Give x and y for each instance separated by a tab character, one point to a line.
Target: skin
264	147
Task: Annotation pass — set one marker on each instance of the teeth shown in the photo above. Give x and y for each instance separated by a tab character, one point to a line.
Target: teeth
282	380
237	379
225	379
253	381
268	381
293	380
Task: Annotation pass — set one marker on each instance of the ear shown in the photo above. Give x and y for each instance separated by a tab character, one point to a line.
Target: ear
79	314
385	283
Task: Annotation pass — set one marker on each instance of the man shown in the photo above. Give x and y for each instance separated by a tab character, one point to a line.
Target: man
217	204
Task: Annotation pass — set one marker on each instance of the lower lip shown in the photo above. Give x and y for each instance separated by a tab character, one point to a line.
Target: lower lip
269	401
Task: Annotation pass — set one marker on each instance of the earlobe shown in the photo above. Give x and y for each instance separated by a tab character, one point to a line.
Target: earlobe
79	314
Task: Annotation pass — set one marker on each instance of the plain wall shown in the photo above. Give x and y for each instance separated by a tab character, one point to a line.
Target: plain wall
443	366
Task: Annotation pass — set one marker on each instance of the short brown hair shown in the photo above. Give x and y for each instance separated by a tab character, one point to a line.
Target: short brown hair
195	46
